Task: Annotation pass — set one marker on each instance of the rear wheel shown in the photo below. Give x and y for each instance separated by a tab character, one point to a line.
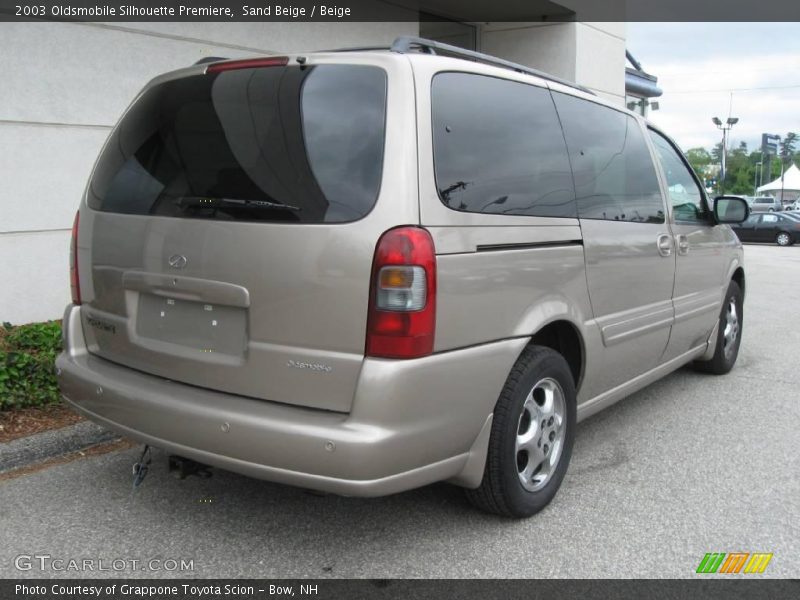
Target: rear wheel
533	431
729	334
783	239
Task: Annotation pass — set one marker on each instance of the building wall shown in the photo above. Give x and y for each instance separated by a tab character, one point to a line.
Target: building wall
600	59
549	47
591	54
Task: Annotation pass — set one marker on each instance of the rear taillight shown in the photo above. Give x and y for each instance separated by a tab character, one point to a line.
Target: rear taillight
248	63
74	280
402	300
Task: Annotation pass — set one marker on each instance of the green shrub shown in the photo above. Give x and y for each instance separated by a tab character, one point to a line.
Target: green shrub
27	364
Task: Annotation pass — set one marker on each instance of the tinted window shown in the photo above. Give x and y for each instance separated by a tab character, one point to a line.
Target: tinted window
615	178
295	144
769	219
684	193
498	148
750	221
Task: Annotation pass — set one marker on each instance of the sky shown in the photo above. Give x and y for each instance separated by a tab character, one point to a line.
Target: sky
698	65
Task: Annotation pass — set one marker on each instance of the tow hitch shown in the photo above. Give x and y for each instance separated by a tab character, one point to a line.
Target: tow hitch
140	469
179	466
182	467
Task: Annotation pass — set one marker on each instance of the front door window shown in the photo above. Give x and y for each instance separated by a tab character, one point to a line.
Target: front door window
685	194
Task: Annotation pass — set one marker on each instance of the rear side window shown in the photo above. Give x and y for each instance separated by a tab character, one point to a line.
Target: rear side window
290	144
615	178
498	148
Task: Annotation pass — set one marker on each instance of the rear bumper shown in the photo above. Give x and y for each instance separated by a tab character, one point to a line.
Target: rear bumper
413	422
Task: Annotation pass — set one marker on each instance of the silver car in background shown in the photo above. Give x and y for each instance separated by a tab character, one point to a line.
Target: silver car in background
366	271
765	204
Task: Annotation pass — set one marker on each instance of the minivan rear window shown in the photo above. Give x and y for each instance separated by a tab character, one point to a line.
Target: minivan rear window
277	144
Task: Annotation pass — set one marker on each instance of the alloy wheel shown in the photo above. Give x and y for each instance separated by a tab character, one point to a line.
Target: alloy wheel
540	434
731	331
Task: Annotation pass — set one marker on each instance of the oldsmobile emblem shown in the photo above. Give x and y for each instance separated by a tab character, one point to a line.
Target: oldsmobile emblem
177	261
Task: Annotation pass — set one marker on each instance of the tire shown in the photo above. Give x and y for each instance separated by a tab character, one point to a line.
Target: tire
727	349
530	396
783	239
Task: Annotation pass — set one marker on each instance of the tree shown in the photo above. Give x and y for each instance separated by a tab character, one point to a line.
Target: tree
788	146
739	174
699	158
742	166
716	152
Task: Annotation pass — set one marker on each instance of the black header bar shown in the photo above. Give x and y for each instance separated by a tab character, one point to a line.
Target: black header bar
474	11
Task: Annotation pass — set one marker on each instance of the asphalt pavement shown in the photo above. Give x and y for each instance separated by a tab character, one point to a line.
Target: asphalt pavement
692	464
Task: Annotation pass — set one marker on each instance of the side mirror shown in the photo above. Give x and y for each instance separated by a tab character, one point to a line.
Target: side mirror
730	209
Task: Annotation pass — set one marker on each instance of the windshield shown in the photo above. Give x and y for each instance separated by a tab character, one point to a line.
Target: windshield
289	144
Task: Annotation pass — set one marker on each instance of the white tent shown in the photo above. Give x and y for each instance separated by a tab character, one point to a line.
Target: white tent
790	185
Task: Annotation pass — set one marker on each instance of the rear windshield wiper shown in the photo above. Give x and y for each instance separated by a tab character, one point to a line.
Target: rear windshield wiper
211	202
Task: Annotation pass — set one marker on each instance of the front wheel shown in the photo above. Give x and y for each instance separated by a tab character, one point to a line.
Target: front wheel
533	431
729	333
783	239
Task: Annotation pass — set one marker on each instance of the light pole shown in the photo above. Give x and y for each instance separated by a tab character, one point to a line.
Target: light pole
759	166
725	129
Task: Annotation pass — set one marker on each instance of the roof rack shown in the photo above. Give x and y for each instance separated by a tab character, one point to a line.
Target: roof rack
356	49
210	59
406	44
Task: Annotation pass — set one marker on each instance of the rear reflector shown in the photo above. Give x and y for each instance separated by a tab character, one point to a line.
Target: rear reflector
74	280
402	303
248	63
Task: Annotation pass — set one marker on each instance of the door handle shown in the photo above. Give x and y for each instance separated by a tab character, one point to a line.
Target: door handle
664	244
683	244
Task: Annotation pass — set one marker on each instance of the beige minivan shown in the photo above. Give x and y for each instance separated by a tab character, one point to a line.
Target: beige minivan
365	271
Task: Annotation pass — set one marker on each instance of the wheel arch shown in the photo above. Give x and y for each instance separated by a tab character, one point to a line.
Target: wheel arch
563	336
561	333
735	273
738	277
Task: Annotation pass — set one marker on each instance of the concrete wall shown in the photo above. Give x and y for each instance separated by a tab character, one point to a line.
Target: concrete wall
600	59
64	86
592	54
550	47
